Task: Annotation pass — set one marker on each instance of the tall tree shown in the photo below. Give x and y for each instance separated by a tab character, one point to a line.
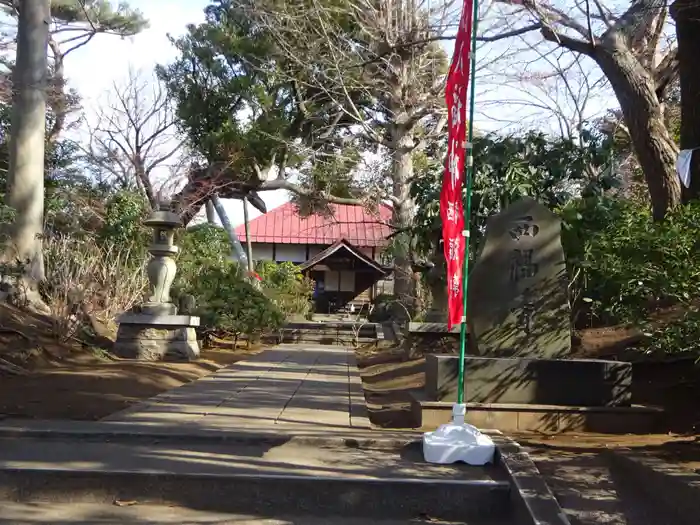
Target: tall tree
342	79
73	24
626	47
30	87
250	125
686	13
387	55
26	173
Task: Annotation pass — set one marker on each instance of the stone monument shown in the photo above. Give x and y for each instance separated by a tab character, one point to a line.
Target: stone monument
518	302
156	332
524	376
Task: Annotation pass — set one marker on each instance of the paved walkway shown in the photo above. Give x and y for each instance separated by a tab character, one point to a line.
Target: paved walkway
289	388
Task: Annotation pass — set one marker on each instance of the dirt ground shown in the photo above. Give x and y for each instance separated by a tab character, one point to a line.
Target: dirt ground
42	377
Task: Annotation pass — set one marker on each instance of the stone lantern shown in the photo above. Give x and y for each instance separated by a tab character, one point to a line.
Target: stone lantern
155	331
162	266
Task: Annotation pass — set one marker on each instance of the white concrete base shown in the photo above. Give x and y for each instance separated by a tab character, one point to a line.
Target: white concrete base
458	441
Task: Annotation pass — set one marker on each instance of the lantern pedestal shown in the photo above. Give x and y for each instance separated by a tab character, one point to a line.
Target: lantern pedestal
157	337
458	441
155	332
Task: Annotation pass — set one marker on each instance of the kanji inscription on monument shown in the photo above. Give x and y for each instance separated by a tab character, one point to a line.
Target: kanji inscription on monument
521	265
523	226
518	304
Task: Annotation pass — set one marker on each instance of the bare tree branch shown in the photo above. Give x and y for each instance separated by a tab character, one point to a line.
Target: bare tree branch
509	34
135	134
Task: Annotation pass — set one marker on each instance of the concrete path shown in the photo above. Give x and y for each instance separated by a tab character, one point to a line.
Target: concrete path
290	414
295	389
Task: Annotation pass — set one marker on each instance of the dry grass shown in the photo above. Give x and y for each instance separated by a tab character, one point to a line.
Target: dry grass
86	280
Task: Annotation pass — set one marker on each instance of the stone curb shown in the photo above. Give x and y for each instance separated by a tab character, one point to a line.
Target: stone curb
532	499
677	491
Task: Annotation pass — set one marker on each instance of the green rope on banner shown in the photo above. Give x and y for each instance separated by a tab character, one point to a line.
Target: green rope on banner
468	205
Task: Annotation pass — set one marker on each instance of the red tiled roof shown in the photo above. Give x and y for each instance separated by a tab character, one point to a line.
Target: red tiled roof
355	224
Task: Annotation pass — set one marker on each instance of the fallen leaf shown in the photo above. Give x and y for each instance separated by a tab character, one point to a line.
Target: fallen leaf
124	503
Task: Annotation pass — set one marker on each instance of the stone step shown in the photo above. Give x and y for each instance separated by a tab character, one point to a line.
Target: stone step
367	329
345	333
91	513
253	479
134	432
673	488
327	335
335	325
322	340
329	340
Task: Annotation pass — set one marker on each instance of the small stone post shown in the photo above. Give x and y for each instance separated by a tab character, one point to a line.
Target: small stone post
157	332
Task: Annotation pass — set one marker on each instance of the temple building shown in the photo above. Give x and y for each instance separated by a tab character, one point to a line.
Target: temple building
343	252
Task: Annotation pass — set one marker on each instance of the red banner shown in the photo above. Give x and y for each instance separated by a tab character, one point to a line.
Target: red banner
451	206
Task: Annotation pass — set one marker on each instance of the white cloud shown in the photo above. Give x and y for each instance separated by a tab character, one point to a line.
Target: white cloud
93	68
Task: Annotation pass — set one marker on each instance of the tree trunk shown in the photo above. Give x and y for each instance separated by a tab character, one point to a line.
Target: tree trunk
142	178
402	172
687	16
211	213
437	281
27	138
248	243
60	107
655	150
237	252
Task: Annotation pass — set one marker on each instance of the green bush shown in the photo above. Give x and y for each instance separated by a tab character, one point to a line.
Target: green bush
228	299
676	336
122	225
286	287
201	246
623	265
229	303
